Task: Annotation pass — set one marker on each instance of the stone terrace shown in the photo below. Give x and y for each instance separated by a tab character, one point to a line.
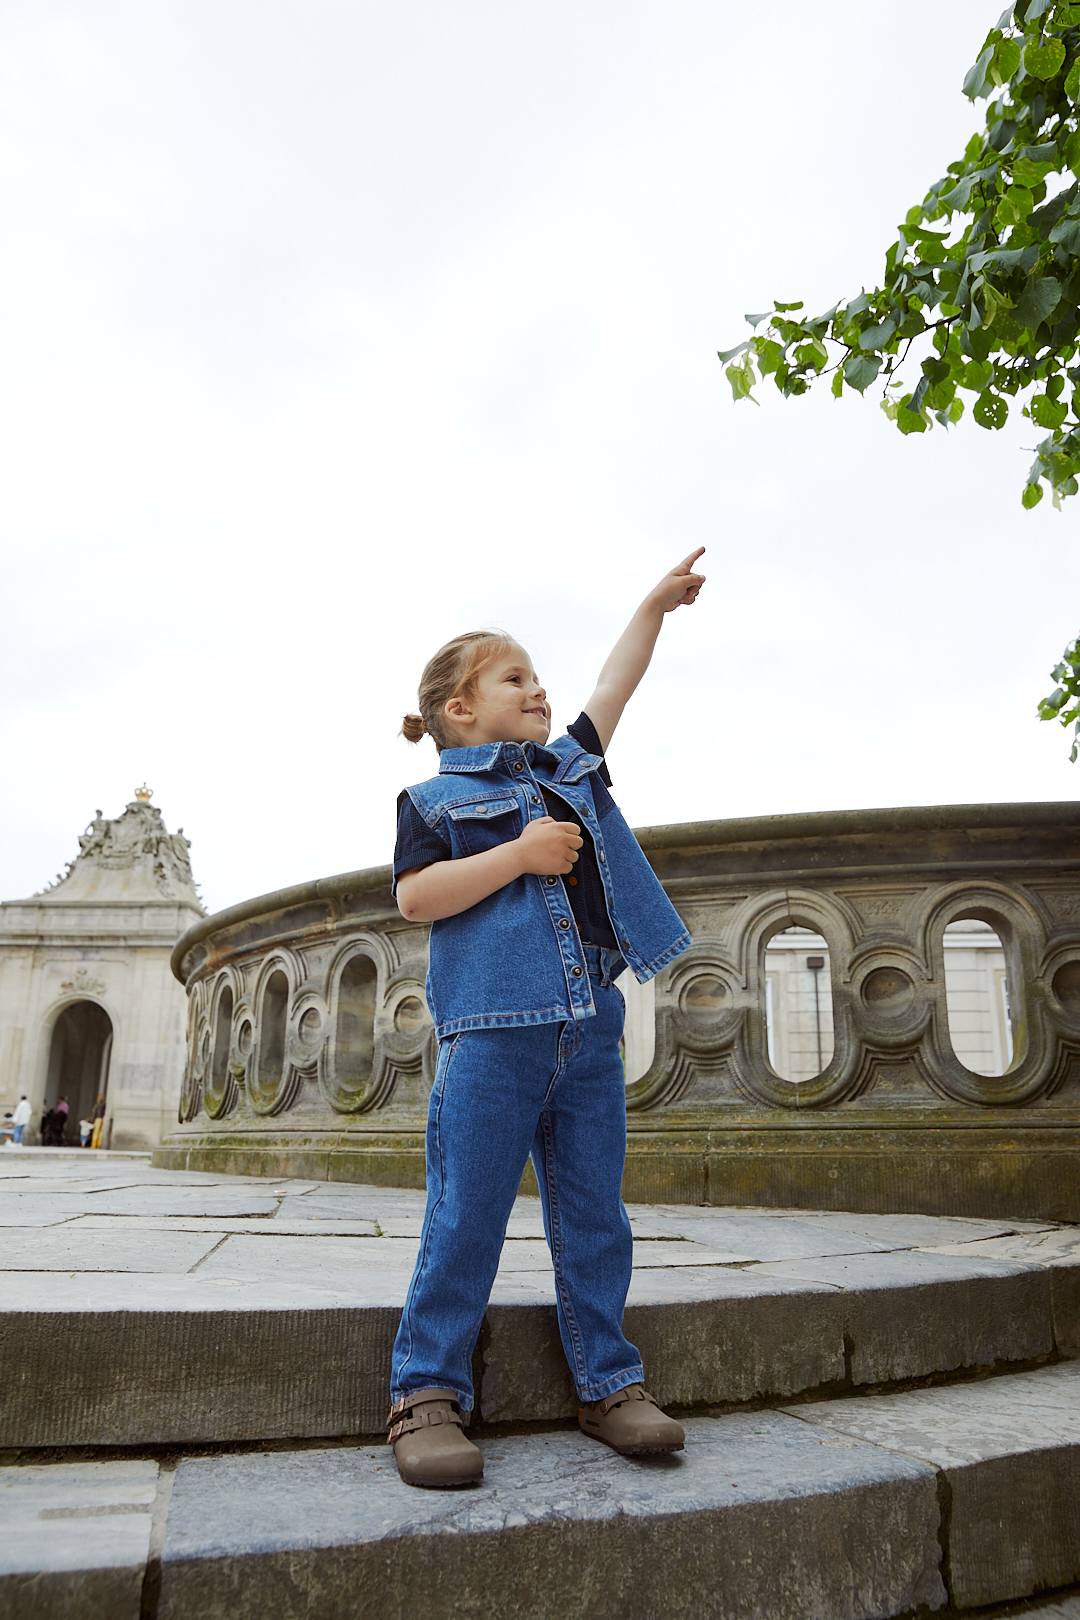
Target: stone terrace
883	1411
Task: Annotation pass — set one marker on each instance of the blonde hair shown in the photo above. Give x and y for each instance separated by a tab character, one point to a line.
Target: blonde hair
452	672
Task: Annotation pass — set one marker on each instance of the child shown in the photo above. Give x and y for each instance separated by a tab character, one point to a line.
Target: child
539	895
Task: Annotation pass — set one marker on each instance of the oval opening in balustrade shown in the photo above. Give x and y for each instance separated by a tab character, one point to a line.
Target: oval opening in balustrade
354	1036
219	1061
272	1022
798	1003
977	996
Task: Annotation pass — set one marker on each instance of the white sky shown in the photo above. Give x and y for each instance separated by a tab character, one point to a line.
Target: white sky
332	330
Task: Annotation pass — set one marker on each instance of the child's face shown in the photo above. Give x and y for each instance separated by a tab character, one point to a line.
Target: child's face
510	704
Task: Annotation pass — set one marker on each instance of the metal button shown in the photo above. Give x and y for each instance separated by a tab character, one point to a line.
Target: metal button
518	766
564	922
536	798
549	881
577	972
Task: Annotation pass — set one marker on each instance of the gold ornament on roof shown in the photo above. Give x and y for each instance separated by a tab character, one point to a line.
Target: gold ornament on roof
144	794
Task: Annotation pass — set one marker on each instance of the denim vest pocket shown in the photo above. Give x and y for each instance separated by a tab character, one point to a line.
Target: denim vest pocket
481	824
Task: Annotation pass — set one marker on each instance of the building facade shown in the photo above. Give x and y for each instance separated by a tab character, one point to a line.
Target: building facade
88	1006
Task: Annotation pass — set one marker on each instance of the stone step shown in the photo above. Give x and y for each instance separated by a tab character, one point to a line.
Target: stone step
929	1500
237	1354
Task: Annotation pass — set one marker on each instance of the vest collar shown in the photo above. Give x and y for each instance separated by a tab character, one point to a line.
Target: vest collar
486	756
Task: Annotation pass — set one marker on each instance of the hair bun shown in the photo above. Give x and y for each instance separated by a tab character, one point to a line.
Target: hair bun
413	727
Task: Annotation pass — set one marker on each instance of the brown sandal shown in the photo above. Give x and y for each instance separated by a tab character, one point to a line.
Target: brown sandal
631	1422
426	1431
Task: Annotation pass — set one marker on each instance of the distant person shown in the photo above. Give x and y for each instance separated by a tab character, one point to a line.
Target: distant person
21	1117
98	1118
7	1130
86	1130
60	1118
51	1122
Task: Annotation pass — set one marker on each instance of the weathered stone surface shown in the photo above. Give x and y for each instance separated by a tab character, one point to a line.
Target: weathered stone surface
69	1248
258	1225
913	1313
221	1374
706	1337
145	1201
1010	1451
75	1539
762	1518
335	1262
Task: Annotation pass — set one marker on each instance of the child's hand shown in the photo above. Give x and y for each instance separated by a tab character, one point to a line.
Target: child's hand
680	587
548	845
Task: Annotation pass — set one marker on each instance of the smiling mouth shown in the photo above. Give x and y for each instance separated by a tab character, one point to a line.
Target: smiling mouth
541	712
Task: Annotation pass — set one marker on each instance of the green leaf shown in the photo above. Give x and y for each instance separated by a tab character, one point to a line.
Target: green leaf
1031	497
878	337
907	419
781	308
1005	258
1028	174
1066	234
976	375
990	410
837	384
729	354
1042	58
813	354
1005	61
770	355
1047	412
1040	298
742	379
860	370
1072	82
976	83
1014	207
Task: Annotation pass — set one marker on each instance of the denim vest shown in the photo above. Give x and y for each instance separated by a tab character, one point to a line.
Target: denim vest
516	957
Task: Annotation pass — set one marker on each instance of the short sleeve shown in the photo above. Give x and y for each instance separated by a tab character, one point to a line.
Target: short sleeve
417	844
584	732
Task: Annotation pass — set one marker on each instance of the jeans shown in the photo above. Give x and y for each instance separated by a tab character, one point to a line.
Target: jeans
19	1129
555	1091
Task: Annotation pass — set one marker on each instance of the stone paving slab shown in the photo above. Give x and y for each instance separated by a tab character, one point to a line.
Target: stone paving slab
1010	1452
258	1225
332	1259
911	1313
75	1538
144	1201
67	1249
779	1520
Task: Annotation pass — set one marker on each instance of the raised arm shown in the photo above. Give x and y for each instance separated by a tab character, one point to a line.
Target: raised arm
630	656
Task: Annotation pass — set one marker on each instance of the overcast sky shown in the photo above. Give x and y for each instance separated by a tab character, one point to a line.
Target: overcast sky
333	330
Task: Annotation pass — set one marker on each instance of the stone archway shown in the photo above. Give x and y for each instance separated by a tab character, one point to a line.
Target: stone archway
79	1053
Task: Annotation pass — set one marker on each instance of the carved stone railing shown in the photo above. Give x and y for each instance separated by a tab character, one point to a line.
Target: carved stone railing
311	1051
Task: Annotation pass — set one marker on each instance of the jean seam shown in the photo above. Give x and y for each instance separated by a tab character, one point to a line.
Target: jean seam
556	1247
631	1375
434	1208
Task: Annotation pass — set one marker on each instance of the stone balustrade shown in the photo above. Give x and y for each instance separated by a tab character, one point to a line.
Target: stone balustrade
311	1052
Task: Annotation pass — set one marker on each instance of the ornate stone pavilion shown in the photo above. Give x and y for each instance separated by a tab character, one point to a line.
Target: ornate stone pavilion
87	1002
310	1049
